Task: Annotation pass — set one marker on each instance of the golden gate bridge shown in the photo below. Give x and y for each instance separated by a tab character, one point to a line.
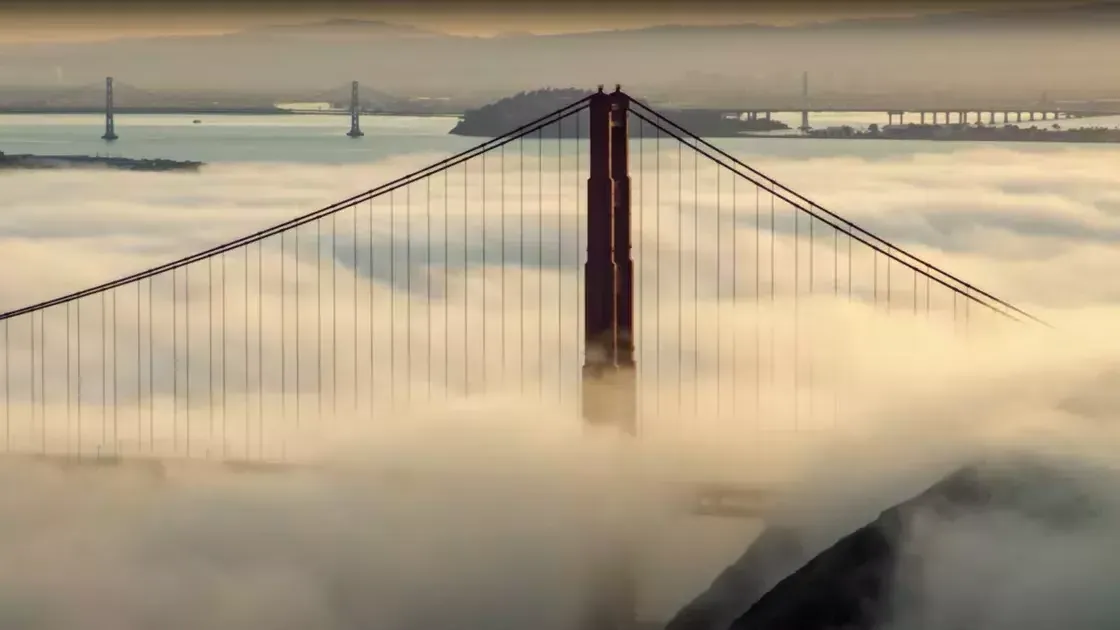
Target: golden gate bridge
645	282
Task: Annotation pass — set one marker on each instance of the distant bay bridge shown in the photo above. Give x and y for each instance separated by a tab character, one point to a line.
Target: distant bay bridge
122	98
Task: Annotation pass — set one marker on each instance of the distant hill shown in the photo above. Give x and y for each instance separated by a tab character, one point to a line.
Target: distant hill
512	112
1099	14
348	26
1020	51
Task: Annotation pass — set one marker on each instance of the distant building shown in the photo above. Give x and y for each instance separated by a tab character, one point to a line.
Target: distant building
304	107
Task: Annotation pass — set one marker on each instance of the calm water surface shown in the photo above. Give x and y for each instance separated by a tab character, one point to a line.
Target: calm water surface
321	139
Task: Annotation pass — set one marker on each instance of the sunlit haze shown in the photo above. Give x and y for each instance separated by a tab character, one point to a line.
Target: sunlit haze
400	379
90	22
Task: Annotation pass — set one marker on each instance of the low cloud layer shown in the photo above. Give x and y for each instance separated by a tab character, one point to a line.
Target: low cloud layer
498	503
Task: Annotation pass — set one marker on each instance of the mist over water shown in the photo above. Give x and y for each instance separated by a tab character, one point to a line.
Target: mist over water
490	512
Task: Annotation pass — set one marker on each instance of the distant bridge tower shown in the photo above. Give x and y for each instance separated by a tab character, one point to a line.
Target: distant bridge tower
355	126
110	127
805	101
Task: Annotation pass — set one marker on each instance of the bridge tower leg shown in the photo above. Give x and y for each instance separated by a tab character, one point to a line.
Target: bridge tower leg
609	370
623	252
355	127
110	127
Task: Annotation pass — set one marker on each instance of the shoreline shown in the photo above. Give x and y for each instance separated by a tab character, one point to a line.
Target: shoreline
187	111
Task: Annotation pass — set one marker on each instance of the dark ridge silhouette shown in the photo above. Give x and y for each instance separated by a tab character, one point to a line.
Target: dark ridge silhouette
860	581
776	553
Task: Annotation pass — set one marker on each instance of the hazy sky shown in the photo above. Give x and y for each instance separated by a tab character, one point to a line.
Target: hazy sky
85	21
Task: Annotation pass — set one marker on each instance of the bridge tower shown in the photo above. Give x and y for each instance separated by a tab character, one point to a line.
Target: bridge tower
110	127
609	374
608	370
355	127
804	101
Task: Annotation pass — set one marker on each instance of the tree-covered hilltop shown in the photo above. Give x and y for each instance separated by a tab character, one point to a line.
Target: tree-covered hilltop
514	111
509	113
